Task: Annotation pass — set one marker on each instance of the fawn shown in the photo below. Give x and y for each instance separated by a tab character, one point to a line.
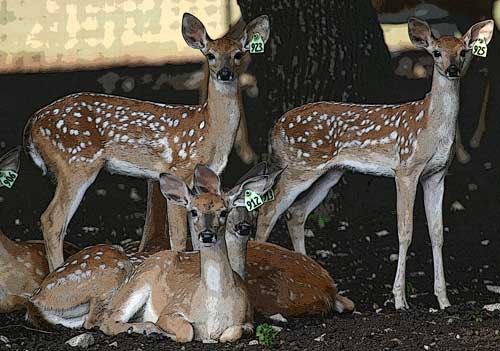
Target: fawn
156	284
22	265
411	142
78	135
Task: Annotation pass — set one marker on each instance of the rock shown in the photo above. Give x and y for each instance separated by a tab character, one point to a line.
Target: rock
487	165
278	318
101	192
457	206
393	257
493	288
308	233
382	233
320	338
324	253
253	342
427	347
134	195
114	344
492	307
485	242
433	310
276	328
4	339
472	187
83	340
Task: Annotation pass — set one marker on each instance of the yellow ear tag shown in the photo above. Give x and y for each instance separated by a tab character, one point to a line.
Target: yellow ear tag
480	48
252	200
256	44
269	196
7	178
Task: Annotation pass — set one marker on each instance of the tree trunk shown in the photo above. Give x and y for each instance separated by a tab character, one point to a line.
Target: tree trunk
318	50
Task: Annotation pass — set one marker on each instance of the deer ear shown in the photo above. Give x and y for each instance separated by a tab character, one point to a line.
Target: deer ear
479	30
420	33
259	169
194	32
260	184
11	160
175	189
206	180
258	25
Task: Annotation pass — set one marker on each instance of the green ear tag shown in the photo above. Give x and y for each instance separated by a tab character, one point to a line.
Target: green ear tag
256	44
479	48
7	178
252	200
269	196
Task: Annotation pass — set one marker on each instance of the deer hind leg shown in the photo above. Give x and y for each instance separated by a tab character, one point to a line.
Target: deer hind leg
406	186
241	143
286	191
481	126
297	213
156	223
68	195
462	155
433	199
177	226
177	327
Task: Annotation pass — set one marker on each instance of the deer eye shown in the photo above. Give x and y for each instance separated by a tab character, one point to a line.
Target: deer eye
194	213
436	53
238	56
463	52
210	56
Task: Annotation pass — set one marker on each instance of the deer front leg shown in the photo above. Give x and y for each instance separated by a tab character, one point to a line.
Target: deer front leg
286	191
178	229
433	199
156	223
462	155
180	329
241	143
297	213
231	334
406	186
481	126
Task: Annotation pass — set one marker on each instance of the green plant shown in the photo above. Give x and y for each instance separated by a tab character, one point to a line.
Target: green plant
410	289
267	336
320	218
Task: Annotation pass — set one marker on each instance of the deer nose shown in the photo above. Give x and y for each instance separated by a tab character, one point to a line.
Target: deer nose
244	229
225	74
453	71
208	237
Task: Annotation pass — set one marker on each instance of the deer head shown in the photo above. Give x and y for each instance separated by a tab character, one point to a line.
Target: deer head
451	55
224	55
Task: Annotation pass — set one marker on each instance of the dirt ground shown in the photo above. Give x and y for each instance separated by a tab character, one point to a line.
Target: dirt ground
356	251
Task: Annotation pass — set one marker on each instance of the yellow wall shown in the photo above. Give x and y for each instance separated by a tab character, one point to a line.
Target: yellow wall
67	34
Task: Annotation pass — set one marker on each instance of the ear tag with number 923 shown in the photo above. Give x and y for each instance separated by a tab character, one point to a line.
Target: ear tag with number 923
256	44
480	48
7	178
252	200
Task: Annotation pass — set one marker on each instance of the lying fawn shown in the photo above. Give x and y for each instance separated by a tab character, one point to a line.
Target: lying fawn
78	135
22	265
411	142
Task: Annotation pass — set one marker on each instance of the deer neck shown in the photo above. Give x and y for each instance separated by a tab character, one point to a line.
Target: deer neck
216	272
444	102
223	105
237	252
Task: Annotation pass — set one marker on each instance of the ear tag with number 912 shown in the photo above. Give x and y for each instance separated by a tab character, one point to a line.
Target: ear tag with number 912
252	200
256	44
480	48
7	178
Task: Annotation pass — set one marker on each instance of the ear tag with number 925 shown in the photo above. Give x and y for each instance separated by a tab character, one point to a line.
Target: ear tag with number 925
252	200
7	178
256	44
480	48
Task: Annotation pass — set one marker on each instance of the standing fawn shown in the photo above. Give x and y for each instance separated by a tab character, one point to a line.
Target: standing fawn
22	265
411	142
78	135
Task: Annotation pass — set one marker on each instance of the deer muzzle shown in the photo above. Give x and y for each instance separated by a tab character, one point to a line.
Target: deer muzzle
208	237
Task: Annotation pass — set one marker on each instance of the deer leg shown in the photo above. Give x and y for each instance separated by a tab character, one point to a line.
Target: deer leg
297	213
433	199
481	126
406	186
241	143
286	191
178	228
176	325
55	219
156	223
462	155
